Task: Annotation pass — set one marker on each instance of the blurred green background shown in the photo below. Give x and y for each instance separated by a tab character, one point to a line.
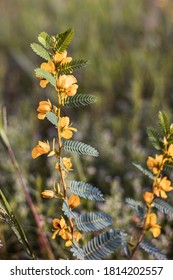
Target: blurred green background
130	48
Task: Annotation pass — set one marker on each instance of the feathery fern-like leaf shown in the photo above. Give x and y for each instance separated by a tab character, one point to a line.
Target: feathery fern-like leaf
67	211
39	50
45	40
46	75
93	221
154	138
164	122
80	148
69	67
52	118
163	206
77	251
136	206
144	171
79	100
152	250
86	190
63	40
102	245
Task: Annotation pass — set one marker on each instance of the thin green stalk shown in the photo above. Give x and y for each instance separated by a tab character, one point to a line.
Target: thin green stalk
44	243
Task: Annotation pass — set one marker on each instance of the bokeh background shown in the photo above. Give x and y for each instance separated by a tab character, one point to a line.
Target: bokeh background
130	48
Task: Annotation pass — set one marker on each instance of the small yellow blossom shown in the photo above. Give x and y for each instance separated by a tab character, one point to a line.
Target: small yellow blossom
64	128
40	149
48	194
156	164
151	224
48	66
64	231
148	197
61	58
66	84
73	201
161	186
67	163
43	108
60	225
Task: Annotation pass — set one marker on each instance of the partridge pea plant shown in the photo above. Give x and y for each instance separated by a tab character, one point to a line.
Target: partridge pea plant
155	198
57	71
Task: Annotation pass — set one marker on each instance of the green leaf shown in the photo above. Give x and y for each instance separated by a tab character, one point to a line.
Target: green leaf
45	40
163	206
63	40
93	221
86	190
67	211
164	122
77	251
46	75
79	100
144	171
39	50
152	250
15	226
137	207
68	67
154	138
52	118
80	148
102	245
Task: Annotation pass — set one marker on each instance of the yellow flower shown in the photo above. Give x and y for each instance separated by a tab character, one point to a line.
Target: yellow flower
156	164
40	149
161	186
43	108
64	128
67	85
60	225
48	194
148	197
67	163
48	66
151	224
77	236
73	201
61	58
64	231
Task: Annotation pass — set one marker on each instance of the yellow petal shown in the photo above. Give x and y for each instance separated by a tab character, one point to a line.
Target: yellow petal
74	201
148	197
67	133
41	116
56	223
68	243
35	152
155	231
43	83
55	234
62	223
153	219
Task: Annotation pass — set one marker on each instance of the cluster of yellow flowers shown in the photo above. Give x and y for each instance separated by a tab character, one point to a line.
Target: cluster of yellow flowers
161	184
65	86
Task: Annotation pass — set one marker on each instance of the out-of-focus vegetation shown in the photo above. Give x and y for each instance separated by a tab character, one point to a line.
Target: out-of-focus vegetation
129	45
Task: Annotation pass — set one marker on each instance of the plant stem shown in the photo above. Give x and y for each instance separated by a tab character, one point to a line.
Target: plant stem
44	244
140	236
